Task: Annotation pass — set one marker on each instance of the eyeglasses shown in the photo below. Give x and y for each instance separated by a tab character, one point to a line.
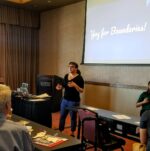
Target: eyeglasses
71	66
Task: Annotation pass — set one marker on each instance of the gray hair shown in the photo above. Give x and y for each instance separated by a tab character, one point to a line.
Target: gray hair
5	97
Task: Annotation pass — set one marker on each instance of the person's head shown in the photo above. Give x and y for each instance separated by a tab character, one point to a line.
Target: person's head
149	85
73	67
5	99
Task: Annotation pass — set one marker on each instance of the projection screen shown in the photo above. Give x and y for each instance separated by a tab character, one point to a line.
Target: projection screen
117	32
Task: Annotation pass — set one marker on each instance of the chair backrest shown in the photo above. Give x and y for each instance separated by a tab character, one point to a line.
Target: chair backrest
88	119
96	131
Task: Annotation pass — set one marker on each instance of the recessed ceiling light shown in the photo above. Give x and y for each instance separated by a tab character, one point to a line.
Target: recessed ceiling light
49	1
19	1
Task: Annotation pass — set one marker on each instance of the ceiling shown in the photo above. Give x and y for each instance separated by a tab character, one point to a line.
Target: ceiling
40	5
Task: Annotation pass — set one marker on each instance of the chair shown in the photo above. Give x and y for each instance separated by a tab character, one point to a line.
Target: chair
95	132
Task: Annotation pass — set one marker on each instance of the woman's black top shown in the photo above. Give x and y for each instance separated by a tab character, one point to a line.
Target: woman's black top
71	94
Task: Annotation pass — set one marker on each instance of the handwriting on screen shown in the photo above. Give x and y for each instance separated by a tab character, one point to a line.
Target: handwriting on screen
114	30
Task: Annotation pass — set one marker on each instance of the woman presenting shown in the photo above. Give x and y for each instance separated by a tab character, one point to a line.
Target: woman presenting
73	84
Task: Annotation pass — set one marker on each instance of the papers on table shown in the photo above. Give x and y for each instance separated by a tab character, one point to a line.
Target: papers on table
48	140
42	138
137	122
37	100
91	108
30	129
23	122
121	116
40	134
41	96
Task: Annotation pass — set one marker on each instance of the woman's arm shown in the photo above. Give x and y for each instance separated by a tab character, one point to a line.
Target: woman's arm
73	84
145	101
143	135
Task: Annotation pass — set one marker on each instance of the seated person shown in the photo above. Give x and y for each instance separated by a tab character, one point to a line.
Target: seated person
13	137
145	129
144	100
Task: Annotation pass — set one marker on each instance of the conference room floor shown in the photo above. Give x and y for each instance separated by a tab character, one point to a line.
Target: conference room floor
55	124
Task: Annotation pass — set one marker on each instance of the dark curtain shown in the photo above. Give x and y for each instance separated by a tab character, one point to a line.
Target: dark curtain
19	47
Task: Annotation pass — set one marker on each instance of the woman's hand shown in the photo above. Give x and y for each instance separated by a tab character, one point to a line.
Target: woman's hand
145	101
73	84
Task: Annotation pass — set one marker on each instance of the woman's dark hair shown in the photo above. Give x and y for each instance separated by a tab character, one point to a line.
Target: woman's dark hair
76	66
148	90
78	72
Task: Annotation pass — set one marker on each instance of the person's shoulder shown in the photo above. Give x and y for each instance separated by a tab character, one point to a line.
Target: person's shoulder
144	93
66	75
80	76
15	126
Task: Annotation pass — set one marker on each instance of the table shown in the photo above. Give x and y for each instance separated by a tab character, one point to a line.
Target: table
120	124
33	109
72	144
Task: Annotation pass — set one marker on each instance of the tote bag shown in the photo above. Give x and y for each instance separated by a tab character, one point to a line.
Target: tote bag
138	147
